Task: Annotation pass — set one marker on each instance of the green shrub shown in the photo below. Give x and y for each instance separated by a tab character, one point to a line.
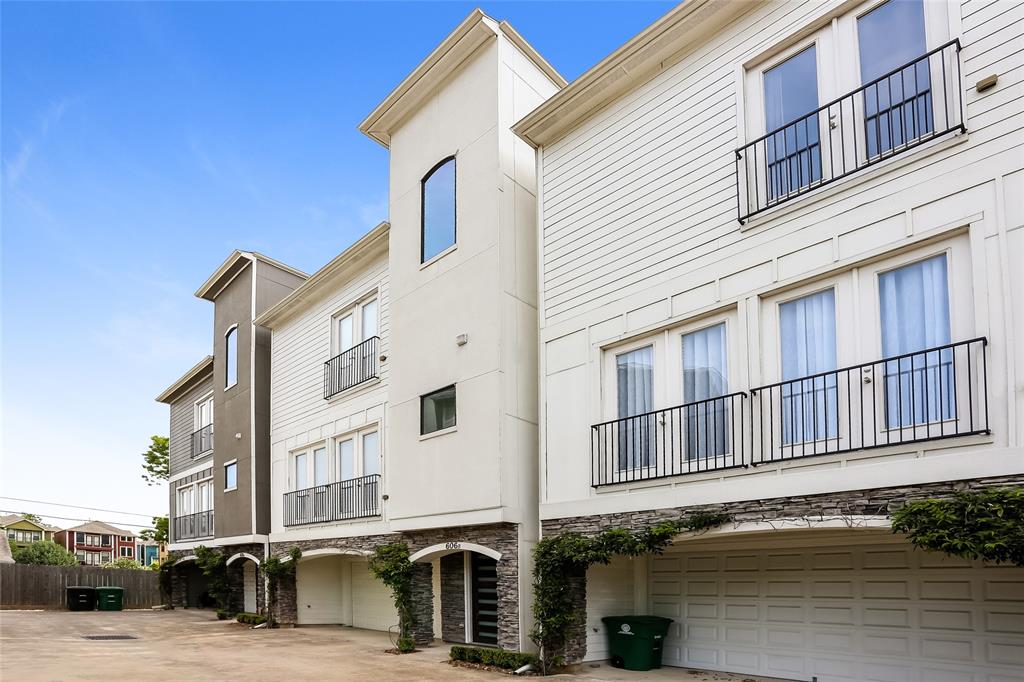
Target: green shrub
124	562
406	645
44	553
498	658
250	618
224	614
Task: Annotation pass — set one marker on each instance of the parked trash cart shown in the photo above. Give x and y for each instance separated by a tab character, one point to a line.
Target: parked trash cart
110	598
635	642
81	598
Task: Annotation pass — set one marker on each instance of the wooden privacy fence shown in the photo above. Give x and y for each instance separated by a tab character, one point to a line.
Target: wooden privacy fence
26	586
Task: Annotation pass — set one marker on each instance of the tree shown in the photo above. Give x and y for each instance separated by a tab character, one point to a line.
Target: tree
156	466
45	553
124	562
158	533
34	518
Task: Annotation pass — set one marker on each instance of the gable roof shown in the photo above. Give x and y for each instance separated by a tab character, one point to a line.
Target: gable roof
15	518
100	527
200	371
370	243
234	264
652	50
474	31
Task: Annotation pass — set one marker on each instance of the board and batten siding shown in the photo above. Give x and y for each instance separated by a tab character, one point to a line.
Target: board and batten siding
640	233
183	426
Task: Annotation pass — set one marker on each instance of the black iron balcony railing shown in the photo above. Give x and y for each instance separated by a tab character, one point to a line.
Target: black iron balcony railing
193	526
935	393
700	436
351	368
354	498
940	392
892	114
202	440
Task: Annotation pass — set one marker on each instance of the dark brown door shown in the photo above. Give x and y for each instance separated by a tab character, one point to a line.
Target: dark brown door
485	599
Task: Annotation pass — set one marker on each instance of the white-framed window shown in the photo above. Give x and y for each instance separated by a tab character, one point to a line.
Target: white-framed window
127	552
437	210
231	357
203	412
230	475
80	556
438	410
185	500
355	324
127	538
104	558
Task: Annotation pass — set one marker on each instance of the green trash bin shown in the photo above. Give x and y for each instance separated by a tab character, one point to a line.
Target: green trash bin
109	598
635	642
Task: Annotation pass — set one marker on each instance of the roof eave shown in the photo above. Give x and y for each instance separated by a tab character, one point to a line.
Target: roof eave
187	379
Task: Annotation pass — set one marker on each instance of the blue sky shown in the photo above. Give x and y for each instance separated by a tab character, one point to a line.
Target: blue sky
141	142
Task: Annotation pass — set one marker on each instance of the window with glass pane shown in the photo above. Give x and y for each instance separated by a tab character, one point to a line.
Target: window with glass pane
914	304
705	377
320	466
346	459
437	410
793	149
231	475
346	334
438	209
301	473
371	453
205	496
634	374
807	336
231	357
898	107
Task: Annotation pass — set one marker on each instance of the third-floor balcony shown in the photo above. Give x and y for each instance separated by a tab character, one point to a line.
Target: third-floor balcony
202	440
931	394
352	498
902	109
353	367
193	526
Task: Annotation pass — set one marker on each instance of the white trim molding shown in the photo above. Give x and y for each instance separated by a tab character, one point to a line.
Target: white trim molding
443	548
242	555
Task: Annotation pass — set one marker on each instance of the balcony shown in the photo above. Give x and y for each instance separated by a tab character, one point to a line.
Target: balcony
932	394
354	498
202	440
355	366
903	109
193	526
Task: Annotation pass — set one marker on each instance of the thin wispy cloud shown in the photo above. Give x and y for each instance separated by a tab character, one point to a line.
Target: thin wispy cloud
16	168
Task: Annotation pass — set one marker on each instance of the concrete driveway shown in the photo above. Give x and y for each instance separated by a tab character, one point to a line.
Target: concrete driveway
37	646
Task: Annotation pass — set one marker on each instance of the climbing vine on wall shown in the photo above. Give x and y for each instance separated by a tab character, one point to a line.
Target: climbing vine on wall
213	564
978	524
561	562
165	578
390	564
276	570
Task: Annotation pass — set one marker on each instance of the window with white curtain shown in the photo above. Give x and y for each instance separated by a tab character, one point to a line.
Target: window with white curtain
807	339
794	150
705	377
914	310
635	396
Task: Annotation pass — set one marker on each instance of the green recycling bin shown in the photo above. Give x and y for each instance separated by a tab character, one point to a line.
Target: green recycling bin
635	642
109	598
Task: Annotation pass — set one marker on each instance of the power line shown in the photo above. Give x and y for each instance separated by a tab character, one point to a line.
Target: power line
78	506
66	518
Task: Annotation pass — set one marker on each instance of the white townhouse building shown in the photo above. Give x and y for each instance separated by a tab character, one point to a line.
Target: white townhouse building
780	277
404	373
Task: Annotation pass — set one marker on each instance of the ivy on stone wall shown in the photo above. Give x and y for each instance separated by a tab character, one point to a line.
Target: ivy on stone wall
165	579
276	571
213	564
983	524
390	564
561	560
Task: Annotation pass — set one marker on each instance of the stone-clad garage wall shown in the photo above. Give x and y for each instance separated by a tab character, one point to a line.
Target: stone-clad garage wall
876	502
236	580
503	538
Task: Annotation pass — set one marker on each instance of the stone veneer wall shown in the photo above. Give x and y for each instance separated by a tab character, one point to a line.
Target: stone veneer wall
453	598
874	502
179	579
502	537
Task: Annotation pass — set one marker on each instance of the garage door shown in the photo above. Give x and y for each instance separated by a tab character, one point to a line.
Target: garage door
319	585
372	606
838	611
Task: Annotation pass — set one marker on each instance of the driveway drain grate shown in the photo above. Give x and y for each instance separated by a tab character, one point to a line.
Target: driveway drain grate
107	637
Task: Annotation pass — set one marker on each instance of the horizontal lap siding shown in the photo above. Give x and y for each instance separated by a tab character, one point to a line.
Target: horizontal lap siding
183	426
303	344
645	191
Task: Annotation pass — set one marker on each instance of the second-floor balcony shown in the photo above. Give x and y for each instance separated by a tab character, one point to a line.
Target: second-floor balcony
350	368
202	440
902	109
931	394
352	498
193	526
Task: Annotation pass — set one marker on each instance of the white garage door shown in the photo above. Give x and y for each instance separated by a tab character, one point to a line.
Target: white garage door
319	585
372	606
835	612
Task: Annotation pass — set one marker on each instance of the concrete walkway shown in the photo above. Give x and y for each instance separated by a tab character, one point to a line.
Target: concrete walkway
38	646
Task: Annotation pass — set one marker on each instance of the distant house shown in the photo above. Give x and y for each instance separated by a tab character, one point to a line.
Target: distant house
148	551
96	543
20	531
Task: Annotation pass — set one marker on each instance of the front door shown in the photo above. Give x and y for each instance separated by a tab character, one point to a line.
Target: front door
484	591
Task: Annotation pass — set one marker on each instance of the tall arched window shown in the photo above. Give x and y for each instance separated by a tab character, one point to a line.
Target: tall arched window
231	357
438	209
